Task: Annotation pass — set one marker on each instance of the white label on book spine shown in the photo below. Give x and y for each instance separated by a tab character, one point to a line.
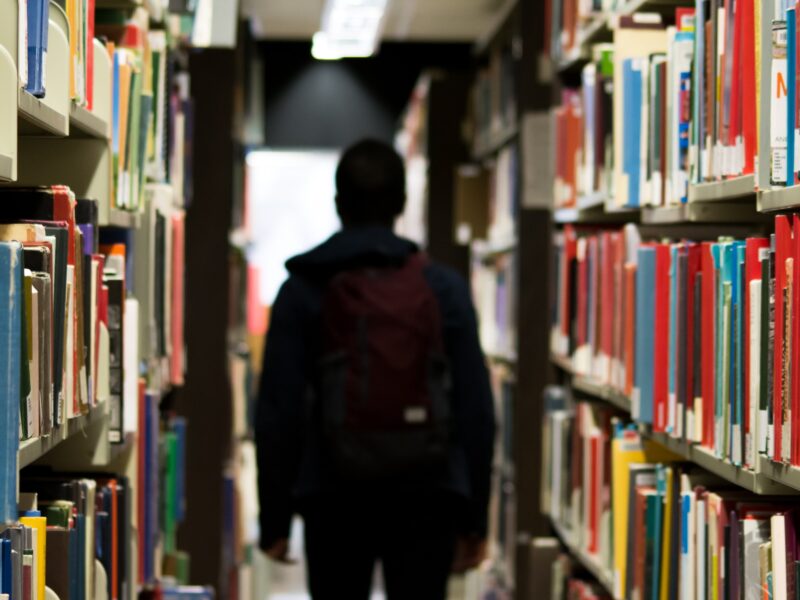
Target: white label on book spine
736	446
778	119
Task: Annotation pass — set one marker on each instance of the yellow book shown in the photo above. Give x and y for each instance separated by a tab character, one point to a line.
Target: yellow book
72	17
628	448
666	538
39	525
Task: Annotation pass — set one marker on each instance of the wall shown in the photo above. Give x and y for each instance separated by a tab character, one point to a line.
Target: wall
320	104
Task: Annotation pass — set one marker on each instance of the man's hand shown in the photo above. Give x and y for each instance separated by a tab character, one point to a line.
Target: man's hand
470	553
279	552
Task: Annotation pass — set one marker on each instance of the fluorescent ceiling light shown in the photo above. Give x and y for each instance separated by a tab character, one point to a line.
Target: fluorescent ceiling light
350	28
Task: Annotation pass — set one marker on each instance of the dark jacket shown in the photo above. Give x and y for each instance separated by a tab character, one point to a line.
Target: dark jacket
289	449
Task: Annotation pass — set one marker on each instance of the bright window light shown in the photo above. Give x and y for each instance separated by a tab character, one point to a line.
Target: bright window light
350	28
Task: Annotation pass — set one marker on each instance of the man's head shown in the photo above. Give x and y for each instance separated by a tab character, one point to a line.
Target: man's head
370	185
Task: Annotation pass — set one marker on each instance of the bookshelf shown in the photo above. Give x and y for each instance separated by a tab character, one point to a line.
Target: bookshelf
587	561
99	366
764	481
685	407
30	451
36	118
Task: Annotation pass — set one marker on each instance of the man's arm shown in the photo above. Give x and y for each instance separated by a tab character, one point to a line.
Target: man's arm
279	412
472	401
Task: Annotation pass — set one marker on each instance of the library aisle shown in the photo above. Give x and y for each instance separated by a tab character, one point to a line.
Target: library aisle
614	185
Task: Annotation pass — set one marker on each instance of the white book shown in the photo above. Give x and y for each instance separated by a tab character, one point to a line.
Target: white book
778	535
687	582
69	360
778	108
700	550
93	330
22	42
103	364
755	531
35	415
557	420
130	385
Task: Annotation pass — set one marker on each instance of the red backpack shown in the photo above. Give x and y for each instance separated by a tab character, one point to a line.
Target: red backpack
384	385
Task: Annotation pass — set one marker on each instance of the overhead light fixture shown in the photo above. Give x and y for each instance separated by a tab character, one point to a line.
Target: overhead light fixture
350	29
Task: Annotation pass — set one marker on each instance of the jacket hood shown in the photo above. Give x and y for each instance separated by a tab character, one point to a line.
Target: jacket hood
351	248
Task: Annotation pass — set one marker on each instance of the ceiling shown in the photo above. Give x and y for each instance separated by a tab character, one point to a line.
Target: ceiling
407	20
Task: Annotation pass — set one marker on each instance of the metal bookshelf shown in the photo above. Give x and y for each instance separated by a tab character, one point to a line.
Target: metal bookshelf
37	118
33	449
589	562
762	481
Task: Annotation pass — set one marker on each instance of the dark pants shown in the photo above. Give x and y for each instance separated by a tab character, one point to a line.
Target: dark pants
413	537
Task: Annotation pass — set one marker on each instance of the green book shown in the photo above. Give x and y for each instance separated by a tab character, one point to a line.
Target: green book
652	539
170	480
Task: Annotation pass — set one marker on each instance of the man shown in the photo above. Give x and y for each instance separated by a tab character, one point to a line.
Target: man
375	419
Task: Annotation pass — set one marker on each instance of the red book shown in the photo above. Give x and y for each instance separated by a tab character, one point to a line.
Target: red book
570	254
748	89
752	269
64	210
582	336
708	311
594	298
735	130
630	326
783	251
100	260
795	349
685	19
661	352
618	293
608	312
176	363
595	483
694	265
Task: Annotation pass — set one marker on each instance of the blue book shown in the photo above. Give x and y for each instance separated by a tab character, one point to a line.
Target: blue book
738	341
115	108
11	288
125	237
38	20
179	427
645	336
186	592
791	96
729	295
718	254
6	585
632	135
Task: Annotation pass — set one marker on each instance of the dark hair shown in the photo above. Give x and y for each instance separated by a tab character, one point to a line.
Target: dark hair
370	184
